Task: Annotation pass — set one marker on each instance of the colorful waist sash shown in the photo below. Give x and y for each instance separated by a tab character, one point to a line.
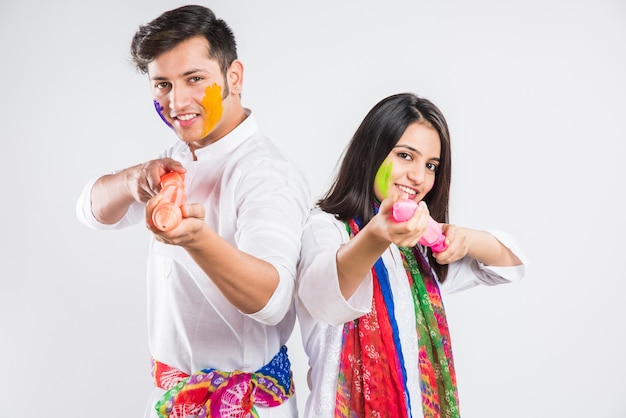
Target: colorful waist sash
213	393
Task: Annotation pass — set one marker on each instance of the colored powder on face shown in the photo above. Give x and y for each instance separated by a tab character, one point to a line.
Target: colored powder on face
382	178
159	109
212	103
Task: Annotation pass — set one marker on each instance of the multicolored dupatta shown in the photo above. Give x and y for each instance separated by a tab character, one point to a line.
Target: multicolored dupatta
372	372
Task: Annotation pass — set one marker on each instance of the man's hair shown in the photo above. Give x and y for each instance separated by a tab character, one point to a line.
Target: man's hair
177	25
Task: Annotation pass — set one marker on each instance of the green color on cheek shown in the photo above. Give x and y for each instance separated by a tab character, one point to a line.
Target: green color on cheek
382	178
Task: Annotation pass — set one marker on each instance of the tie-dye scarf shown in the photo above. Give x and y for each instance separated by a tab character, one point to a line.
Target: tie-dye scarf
372	373
217	394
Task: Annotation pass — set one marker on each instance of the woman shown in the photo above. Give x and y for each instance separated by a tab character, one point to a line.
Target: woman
369	305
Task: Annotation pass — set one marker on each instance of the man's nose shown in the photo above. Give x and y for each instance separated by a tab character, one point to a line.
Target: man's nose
179	97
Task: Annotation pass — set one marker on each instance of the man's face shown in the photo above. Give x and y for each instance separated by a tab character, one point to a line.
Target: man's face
189	91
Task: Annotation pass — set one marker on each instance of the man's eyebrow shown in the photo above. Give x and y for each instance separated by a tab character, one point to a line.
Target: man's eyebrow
192	71
185	74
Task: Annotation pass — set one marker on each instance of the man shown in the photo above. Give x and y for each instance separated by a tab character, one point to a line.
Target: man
221	283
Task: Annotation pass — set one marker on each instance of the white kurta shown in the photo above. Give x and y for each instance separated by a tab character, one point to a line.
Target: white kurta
258	202
322	310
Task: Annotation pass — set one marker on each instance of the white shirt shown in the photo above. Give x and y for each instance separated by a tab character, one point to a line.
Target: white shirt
257	201
322	310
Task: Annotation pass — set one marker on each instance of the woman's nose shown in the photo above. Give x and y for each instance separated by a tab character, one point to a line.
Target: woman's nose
417	173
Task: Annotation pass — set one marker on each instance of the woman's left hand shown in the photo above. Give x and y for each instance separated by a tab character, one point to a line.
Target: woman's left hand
458	244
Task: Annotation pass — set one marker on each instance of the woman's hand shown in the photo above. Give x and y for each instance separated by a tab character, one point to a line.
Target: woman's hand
458	244
402	234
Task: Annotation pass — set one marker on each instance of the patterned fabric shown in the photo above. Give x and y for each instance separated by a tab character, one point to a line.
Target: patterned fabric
215	394
372	373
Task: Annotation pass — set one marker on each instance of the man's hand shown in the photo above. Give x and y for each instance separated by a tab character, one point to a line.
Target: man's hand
144	180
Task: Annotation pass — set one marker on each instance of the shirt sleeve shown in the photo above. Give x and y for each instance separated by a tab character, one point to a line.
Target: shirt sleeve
468	272
271	214
318	282
134	214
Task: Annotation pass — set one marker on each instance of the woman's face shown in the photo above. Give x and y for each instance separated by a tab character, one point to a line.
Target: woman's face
411	165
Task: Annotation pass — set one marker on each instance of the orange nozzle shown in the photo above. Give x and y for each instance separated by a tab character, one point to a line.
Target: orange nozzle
167	214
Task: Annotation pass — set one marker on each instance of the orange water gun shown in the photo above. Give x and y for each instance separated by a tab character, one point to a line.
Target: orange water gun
167	214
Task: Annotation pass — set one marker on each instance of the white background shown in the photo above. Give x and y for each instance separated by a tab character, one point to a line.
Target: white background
534	92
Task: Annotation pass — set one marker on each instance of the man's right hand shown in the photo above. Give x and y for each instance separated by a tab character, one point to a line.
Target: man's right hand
112	194
144	180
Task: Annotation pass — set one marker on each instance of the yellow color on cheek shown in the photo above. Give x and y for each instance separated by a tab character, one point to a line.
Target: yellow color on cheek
212	104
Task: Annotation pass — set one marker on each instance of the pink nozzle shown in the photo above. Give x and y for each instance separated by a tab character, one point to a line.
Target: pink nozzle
434	238
403	210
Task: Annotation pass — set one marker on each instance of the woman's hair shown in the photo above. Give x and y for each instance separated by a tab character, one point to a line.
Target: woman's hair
352	193
178	25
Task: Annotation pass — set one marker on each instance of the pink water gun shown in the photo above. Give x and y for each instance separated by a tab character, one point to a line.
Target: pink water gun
434	238
167	214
